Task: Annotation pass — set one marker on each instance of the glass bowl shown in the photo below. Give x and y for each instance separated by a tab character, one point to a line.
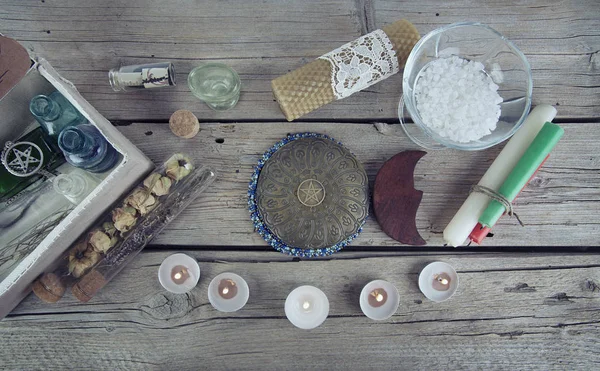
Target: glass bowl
503	62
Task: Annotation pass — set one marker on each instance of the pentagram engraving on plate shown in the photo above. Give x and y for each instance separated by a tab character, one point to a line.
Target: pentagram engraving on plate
311	192
22	158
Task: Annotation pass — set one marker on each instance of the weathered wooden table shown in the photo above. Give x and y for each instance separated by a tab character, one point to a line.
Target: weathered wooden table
529	298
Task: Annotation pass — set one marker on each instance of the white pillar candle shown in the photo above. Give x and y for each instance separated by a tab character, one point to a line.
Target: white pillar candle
306	307
438	281
459	228
228	292
379	300
179	273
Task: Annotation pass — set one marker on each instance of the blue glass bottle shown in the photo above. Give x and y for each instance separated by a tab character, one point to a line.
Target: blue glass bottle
85	147
55	113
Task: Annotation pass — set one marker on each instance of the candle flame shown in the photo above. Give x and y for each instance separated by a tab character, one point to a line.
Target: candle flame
377	295
443	280
177	275
225	290
306	305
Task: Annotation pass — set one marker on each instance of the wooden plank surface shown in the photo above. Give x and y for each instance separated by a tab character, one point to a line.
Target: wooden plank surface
560	207
86	38
528	311
536	313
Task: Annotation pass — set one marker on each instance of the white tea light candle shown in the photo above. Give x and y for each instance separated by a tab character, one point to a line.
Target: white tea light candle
306	307
438	281
379	300
179	273
228	292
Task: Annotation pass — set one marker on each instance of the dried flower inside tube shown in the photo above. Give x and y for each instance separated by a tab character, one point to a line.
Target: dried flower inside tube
111	231
109	228
100	241
124	218
178	167
151	180
81	258
163	186
159	185
142	200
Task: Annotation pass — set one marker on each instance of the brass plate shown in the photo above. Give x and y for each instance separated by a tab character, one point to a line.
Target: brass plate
312	193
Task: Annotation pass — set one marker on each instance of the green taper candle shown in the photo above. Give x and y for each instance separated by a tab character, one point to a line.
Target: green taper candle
533	157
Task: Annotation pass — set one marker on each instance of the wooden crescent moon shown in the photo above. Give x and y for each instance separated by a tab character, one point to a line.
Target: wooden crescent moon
395	199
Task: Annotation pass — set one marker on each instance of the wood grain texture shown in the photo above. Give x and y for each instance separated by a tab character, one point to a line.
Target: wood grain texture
536	313
559	207
85	39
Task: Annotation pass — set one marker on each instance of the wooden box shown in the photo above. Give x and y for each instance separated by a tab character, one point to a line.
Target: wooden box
38	77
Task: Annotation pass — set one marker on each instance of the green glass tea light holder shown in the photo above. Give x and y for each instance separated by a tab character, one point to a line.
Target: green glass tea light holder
215	84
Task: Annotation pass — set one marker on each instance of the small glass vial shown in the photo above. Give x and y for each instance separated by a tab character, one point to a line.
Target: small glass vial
75	186
215	84
86	148
142	76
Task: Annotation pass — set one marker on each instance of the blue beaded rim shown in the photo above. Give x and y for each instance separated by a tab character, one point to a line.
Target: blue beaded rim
257	219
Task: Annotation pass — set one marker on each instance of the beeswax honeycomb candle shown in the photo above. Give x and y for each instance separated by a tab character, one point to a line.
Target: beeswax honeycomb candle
341	72
463	222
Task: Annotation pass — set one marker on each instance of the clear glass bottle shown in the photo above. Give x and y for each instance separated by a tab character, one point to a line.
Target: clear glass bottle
51	158
142	76
55	113
75	186
215	84
86	148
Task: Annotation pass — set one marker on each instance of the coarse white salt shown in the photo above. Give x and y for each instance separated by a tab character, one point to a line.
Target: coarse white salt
457	99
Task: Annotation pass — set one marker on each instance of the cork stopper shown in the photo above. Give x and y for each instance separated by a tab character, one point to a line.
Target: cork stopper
88	286
184	124
49	288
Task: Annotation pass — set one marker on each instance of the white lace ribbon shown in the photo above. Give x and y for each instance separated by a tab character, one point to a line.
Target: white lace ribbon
361	63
